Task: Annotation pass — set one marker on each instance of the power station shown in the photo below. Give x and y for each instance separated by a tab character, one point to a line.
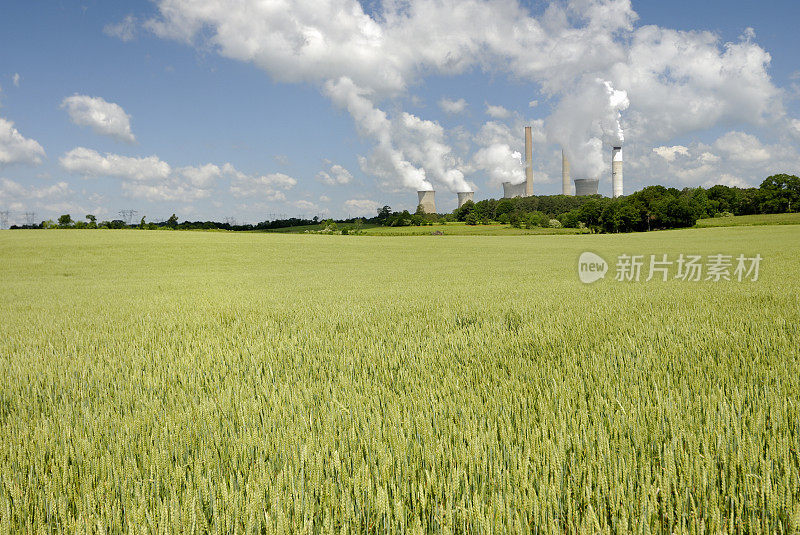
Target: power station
583	186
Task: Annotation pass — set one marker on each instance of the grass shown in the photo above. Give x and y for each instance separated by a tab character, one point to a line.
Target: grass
749	220
448	229
462	229
273	383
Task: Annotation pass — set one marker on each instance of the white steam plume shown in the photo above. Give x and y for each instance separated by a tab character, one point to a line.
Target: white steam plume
585	119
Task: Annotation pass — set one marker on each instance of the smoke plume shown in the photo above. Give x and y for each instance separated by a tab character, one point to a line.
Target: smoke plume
584	120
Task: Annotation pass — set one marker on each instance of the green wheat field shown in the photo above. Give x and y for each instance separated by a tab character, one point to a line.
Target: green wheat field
187	382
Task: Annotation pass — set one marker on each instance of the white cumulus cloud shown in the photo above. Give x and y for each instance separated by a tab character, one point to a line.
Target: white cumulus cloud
16	148
105	118
11	190
334	175
362	207
453	107
670	153
497	112
90	163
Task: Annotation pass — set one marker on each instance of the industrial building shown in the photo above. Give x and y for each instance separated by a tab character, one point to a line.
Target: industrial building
465	196
586	186
566	187
427	201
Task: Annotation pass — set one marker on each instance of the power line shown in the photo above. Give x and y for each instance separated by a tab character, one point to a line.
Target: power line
4	218
30	218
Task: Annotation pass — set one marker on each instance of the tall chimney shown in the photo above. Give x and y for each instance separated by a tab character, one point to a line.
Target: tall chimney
616	171
464	196
426	200
566	188
528	162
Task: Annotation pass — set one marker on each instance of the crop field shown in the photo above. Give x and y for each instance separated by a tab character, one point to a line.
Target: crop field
462	229
165	382
747	220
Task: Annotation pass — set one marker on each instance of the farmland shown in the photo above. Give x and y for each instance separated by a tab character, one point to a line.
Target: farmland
243	382
748	220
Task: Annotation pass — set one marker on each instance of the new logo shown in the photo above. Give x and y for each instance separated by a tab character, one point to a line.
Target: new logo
591	267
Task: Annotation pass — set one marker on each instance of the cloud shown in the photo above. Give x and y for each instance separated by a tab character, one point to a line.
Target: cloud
124	30
105	118
500	163
10	189
15	148
282	159
741	147
727	180
90	163
335	175
15	79
669	153
497	112
453	107
386	161
146	178
165	191
362	207
677	82
735	158
305	205
260	187
586	119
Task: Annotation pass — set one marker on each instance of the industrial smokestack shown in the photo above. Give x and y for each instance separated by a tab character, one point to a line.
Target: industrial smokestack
427	202
464	196
528	162
586	186
616	171
566	188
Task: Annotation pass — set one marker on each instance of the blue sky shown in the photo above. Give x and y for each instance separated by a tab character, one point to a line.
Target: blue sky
280	108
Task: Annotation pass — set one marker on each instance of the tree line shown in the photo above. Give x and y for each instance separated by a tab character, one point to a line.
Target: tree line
652	208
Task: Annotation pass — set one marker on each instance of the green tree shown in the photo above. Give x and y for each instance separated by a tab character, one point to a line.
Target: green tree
172	222
781	193
464	211
65	221
92	221
384	213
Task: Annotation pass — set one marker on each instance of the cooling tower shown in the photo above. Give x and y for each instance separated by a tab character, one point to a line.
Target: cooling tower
426	200
566	187
464	196
616	171
586	186
513	190
528	162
